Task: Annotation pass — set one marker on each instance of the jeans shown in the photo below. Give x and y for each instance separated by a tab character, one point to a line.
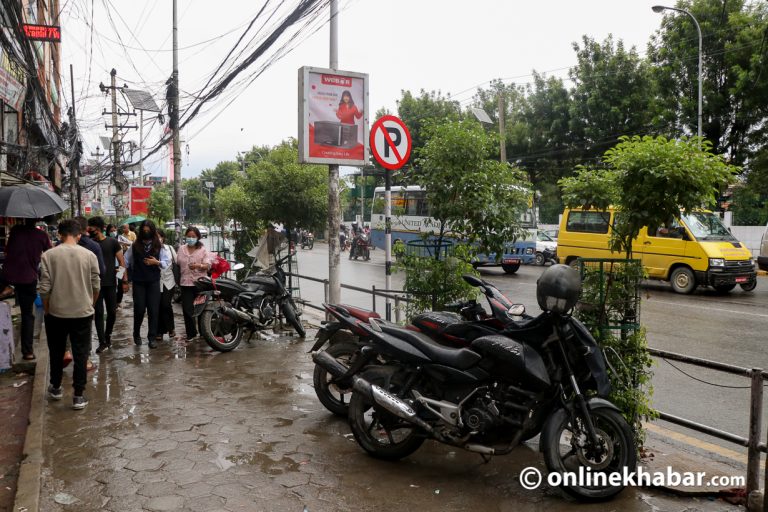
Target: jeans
79	332
165	323
146	296
25	296
188	294
107	300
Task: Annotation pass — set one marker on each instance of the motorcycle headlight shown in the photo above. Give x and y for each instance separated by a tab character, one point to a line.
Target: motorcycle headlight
716	262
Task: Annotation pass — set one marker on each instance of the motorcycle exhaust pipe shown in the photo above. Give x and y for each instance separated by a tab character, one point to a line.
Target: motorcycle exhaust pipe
326	361
389	402
236	314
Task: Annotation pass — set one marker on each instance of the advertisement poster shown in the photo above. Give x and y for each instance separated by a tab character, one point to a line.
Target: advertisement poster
333	117
140	200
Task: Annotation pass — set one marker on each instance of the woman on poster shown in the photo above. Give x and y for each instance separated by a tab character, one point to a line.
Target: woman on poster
347	111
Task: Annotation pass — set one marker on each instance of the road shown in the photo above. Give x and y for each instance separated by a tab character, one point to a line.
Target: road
728	328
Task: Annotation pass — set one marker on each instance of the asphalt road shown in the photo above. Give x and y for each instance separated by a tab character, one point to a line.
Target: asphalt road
727	328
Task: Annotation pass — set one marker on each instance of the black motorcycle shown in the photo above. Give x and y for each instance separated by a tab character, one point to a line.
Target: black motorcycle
546	256
490	397
307	240
226	308
360	247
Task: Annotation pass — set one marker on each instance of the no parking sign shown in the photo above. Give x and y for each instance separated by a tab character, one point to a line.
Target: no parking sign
390	142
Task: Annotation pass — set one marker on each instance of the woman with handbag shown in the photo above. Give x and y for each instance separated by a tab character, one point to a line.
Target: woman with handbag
194	262
169	279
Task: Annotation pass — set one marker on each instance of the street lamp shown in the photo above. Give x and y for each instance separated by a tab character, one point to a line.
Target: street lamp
662	8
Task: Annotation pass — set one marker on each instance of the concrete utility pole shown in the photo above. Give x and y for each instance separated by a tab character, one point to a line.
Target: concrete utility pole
175	123
334	214
502	138
115	126
74	184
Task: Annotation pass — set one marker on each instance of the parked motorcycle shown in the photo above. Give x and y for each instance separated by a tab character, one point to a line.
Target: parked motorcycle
491	396
307	240
360	247
546	256
227	308
457	327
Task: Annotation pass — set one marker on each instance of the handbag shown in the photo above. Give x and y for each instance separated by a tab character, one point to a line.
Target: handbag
175	267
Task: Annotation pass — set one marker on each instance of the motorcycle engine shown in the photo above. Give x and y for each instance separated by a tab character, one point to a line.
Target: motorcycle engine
481	417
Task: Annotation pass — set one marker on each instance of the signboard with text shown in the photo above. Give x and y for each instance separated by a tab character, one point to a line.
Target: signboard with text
139	200
49	33
333	117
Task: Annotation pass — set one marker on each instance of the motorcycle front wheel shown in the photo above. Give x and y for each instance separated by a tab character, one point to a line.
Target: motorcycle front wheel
219	331
380	433
289	312
568	450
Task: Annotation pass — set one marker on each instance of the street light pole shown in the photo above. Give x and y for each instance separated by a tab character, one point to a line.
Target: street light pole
662	8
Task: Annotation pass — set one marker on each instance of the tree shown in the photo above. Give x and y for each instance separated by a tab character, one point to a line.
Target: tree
160	205
223	175
471	194
735	44
649	180
233	202
420	112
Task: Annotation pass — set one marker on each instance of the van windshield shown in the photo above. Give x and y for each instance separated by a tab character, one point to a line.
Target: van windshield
707	226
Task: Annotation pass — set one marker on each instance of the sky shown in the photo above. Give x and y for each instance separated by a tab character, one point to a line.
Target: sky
444	45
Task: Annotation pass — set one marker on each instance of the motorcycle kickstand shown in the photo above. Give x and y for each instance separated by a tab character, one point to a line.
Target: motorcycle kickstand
250	336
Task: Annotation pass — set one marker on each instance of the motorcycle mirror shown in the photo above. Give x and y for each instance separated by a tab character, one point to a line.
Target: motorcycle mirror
238	266
472	280
516	310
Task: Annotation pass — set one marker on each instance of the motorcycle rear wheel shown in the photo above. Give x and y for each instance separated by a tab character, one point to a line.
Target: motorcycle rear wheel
562	454
381	434
334	397
220	333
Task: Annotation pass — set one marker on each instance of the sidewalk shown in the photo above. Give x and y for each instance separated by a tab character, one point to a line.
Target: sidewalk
184	428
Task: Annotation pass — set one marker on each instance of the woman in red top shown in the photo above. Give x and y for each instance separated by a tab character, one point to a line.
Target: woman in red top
347	111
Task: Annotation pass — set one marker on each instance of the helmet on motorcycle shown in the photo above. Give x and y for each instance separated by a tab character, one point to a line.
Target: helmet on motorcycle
558	289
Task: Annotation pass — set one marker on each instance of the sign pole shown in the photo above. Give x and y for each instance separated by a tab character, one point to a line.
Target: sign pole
388	240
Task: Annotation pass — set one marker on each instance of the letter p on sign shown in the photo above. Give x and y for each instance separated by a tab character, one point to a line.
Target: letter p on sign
390	142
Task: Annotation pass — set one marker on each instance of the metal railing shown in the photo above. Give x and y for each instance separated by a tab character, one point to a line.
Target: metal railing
397	296
752	442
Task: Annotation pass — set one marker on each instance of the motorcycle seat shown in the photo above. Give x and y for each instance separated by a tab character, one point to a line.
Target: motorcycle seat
361	314
460	358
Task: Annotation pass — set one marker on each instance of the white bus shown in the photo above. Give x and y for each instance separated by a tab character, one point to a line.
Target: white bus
411	219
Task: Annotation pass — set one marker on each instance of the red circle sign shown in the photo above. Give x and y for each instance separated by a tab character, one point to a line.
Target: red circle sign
390	142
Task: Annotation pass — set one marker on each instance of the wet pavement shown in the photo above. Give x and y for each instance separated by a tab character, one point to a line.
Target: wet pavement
183	428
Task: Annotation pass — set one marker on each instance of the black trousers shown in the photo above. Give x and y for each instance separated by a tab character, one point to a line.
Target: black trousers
165	322
188	294
119	294
25	296
79	332
107	301
146	297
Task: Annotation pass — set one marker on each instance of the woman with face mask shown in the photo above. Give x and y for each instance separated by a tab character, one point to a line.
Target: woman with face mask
194	262
145	260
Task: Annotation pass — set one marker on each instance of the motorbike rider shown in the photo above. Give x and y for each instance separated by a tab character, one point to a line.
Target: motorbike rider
343	237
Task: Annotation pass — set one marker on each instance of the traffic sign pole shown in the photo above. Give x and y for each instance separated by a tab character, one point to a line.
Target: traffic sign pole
388	240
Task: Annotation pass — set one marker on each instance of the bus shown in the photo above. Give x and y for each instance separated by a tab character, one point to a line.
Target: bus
411	220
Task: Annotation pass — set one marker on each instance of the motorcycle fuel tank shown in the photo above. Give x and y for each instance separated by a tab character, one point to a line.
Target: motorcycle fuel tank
514	360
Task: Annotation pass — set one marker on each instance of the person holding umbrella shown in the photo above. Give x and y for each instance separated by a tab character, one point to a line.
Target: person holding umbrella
23	250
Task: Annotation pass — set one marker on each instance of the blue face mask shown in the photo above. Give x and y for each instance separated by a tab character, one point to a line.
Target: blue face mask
191	241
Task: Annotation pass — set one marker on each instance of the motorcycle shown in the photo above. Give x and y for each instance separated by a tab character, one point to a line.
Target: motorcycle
491	396
307	240
456	327
227	308
360	247
343	242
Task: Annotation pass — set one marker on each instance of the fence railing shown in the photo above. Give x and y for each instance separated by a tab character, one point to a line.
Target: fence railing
756	375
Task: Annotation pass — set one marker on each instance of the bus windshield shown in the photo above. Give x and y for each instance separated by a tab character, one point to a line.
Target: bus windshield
707	226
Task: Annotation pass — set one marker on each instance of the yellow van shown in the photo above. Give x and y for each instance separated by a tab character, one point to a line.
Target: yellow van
696	249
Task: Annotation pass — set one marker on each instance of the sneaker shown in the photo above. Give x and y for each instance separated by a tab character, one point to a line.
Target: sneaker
102	347
137	341
79	402
152	343
55	393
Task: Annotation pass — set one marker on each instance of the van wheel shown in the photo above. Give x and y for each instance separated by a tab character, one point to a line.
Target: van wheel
748	287
510	269
683	280
574	263
540	259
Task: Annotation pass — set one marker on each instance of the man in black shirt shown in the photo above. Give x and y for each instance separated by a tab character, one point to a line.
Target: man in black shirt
111	250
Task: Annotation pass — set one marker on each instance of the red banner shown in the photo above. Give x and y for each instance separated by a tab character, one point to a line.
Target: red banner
140	200
42	32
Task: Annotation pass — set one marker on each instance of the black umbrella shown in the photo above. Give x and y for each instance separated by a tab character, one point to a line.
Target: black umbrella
29	202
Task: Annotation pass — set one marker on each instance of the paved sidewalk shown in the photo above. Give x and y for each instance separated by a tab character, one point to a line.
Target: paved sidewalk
184	428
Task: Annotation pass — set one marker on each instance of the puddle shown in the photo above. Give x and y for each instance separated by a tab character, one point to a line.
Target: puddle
267	464
283	422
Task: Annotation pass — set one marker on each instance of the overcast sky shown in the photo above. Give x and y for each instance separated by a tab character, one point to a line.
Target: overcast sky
442	45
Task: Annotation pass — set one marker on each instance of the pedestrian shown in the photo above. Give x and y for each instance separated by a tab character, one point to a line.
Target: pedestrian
125	243
23	250
107	301
112	231
194	262
69	287
128	233
145	260
86	242
168	284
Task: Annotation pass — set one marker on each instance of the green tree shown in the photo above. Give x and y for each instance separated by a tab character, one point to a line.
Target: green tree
419	112
471	194
735	46
749	207
160	205
234	203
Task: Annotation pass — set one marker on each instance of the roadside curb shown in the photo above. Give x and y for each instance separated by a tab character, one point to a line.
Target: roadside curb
30	471
313	318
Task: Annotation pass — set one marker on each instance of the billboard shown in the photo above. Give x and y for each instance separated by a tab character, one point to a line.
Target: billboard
139	200
333	117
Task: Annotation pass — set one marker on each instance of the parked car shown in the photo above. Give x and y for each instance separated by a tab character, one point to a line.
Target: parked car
552	233
203	231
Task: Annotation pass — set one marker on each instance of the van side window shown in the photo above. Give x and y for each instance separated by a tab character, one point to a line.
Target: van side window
588	222
667	230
